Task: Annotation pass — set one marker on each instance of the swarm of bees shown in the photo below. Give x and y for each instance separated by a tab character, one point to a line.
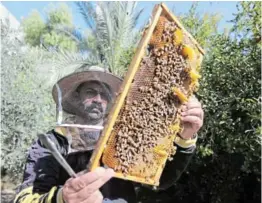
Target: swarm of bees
143	134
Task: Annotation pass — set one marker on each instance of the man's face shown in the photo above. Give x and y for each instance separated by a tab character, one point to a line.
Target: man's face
95	97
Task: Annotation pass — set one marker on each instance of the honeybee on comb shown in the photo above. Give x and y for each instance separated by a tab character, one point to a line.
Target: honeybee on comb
144	122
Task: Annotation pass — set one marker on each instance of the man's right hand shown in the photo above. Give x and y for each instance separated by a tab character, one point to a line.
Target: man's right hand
85	188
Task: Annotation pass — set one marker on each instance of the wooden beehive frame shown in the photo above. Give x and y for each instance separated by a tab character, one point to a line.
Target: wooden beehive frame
159	10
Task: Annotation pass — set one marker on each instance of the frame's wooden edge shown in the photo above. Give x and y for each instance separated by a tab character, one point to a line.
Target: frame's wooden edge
94	161
160	168
201	59
148	181
165	8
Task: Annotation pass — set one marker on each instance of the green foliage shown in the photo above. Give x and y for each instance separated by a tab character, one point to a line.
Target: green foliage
45	32
230	91
59	15
33	27
26	105
202	27
126	58
230	84
109	41
247	21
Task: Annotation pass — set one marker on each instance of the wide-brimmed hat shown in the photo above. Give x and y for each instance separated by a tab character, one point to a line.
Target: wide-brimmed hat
70	83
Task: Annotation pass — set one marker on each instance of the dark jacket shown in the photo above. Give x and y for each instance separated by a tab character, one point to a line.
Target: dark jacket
43	176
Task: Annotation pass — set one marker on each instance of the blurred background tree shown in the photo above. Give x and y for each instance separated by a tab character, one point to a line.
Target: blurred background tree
26	105
111	34
202	26
44	32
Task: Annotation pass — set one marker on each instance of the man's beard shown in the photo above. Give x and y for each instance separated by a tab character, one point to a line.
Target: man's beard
94	112
85	140
90	138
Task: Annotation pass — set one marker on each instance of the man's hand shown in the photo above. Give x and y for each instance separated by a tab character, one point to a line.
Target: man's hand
85	188
192	118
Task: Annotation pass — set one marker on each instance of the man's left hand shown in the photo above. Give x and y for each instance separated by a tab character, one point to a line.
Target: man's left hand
192	117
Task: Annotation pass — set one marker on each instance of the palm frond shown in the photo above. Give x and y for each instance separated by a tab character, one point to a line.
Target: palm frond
124	18
88	12
113	26
63	63
70	31
81	40
137	16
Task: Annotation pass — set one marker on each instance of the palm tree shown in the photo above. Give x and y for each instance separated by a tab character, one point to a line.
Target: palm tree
111	34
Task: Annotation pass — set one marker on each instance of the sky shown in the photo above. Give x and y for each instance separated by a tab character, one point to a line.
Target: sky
22	9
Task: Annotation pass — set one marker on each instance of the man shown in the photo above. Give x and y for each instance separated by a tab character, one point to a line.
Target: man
88	95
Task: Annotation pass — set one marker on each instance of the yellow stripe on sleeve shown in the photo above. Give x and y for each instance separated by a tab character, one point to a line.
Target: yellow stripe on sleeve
27	196
185	143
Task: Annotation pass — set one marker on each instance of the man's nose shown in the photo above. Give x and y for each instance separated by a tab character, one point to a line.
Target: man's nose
98	98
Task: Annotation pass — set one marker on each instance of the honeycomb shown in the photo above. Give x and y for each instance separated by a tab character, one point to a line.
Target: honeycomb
141	140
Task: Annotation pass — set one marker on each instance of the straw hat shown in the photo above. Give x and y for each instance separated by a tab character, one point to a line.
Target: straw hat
70	83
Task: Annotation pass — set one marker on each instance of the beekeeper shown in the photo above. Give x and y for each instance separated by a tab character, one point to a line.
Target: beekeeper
86	97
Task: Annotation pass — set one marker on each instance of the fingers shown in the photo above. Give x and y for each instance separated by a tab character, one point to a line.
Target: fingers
198	112
193	104
80	182
92	188
197	121
95	175
101	181
193	108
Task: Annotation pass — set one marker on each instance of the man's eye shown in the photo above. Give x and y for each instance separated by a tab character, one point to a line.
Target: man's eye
105	97
90	93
